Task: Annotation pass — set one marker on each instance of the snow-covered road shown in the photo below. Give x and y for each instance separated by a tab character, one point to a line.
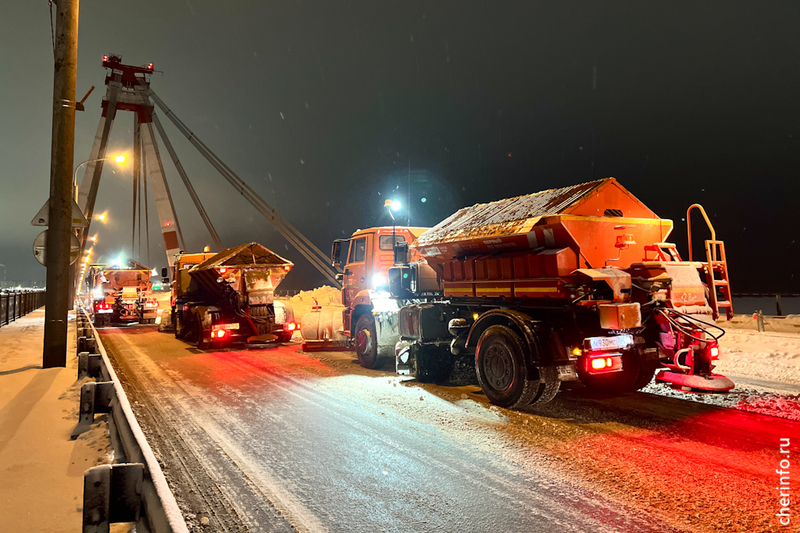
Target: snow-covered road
276	439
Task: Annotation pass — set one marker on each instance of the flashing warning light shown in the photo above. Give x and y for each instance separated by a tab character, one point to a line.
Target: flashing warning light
577	351
105	58
287	268
714	352
206	249
475	316
169	223
150	66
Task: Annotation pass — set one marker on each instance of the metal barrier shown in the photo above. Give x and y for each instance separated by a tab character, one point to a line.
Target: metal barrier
135	489
17	303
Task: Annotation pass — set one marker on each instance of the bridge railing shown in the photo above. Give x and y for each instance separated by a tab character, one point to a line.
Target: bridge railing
17	303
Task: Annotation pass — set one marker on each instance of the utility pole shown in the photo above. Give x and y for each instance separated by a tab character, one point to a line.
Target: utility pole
59	288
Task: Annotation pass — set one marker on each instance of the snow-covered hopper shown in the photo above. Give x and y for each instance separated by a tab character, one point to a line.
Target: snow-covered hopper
562	284
229	297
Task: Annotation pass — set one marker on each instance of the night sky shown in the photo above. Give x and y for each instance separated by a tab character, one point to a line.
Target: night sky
468	101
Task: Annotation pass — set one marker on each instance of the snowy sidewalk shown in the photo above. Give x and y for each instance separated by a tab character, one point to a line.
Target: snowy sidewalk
40	467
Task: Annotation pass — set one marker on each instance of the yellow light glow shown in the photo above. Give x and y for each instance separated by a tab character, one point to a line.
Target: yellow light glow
577	351
120	159
102	217
94	239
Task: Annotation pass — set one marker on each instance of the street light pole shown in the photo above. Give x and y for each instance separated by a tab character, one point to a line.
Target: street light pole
118	159
57	298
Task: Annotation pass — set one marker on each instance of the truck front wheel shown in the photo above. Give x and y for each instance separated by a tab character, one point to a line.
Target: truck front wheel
501	368
367	342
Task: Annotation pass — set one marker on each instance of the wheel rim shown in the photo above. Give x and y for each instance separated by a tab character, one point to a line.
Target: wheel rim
364	341
498	367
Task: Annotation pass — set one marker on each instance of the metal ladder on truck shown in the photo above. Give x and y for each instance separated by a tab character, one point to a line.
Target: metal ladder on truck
716	267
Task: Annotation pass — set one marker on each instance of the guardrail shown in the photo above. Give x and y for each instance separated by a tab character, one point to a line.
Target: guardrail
135	489
17	303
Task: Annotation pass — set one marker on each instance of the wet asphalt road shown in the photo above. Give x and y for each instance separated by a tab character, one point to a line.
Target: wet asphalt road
273	440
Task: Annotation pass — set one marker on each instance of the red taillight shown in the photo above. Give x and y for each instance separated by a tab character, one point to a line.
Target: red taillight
600	362
714	352
290	326
219	334
223	270
604	363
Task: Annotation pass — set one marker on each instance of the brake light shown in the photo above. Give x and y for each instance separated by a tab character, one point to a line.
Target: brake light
219	334
714	352
290	326
601	362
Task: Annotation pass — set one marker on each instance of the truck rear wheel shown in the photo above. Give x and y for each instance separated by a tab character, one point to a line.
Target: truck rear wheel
201	343
502	370
367	342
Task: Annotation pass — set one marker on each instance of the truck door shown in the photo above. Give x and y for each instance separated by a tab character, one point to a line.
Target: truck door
355	272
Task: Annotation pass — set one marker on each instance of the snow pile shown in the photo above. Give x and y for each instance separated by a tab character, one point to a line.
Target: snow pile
772	404
325	295
768	356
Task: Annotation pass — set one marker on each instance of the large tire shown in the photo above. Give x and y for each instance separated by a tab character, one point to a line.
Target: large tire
200	342
367	342
502	370
615	382
646	373
177	323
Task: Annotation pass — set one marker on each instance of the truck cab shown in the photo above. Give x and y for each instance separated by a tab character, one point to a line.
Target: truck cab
365	259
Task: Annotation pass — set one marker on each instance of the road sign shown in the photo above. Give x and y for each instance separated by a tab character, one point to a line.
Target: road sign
78	220
40	246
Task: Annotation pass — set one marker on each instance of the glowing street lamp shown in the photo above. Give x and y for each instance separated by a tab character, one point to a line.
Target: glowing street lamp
102	217
118	158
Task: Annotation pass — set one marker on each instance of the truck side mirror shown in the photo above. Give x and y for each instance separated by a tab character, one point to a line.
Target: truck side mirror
164	272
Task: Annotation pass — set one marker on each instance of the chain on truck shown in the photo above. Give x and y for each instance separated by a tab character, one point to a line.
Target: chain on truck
575	283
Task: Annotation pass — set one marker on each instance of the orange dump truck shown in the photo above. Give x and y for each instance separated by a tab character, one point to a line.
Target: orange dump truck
575	283
228	297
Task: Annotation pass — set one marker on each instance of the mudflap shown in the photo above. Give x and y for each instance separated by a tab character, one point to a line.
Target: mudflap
434	363
714	383
326	346
262	339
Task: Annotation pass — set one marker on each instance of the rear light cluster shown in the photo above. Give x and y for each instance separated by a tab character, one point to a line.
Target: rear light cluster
603	362
101	305
290	326
713	352
219	334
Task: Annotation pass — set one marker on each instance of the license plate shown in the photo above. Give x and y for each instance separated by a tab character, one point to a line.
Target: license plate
617	342
225	326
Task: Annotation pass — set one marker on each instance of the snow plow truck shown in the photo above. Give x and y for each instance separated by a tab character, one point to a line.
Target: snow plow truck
228	297
575	283
121	295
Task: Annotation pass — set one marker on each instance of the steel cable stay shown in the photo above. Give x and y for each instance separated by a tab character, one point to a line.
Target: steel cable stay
319	260
185	178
